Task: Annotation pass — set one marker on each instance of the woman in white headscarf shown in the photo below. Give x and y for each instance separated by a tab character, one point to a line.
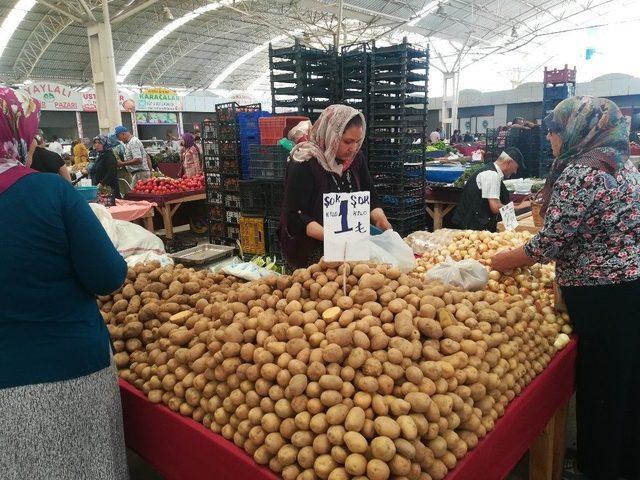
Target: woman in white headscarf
330	162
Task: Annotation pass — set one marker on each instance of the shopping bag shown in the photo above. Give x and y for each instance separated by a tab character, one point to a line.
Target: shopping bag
388	247
467	274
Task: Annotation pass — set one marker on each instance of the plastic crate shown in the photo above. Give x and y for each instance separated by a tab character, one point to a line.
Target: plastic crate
232	200
267	161
232	216
226	112
89	193
216	213
253	197
272	129
252	235
249	120
230	184
229	148
232	232
565	75
211	148
273	244
275	198
214	197
230	167
228	131
212	164
213	180
559	92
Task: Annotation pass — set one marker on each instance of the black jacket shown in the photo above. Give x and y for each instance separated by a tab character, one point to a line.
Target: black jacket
105	171
473	212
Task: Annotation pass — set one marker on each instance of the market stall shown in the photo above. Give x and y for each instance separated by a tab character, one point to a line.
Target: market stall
168	204
528	424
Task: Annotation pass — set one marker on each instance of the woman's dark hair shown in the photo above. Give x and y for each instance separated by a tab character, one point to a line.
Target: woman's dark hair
354	122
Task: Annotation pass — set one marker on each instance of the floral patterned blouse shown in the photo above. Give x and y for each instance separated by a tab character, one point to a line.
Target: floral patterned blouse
592	227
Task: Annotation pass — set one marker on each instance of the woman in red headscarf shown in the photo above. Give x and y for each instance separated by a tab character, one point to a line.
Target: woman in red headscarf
190	156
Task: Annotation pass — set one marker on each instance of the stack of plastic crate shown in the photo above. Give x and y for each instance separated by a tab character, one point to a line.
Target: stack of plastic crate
304	80
213	180
355	66
397	132
527	140
558	85
249	134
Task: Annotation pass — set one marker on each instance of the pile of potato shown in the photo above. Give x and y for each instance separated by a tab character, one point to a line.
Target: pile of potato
536	281
395	378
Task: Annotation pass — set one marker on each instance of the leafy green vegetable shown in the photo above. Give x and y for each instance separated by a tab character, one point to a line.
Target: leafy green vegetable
462	180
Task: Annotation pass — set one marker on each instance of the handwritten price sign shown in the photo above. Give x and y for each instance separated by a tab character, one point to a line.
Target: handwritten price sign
346	226
508	214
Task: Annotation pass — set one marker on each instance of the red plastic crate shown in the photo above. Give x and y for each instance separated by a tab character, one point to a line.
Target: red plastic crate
272	129
565	75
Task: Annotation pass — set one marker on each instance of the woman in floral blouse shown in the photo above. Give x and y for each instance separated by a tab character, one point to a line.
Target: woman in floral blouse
592	231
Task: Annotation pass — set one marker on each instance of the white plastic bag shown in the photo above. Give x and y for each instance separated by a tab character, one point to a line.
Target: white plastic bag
468	274
248	271
388	247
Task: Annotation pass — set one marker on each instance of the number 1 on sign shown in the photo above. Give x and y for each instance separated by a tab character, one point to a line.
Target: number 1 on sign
344	218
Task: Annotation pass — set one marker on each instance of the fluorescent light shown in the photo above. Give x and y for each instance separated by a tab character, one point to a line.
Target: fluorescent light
12	20
231	68
162	33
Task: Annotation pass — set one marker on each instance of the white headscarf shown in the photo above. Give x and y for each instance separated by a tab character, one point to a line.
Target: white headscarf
325	138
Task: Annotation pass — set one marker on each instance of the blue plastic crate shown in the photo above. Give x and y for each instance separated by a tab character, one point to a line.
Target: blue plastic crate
88	193
445	174
559	92
249	120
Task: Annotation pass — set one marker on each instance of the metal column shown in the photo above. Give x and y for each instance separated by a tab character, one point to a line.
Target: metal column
450	101
104	72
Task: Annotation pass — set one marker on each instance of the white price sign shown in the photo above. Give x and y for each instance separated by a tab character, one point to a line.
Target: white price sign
346	226
508	214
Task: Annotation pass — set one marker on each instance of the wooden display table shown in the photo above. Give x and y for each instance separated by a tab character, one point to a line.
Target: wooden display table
168	205
180	448
131	211
439	202
525	224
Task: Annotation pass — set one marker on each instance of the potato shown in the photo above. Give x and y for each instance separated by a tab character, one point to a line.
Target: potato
324	465
356	464
355	419
377	470
355	442
383	448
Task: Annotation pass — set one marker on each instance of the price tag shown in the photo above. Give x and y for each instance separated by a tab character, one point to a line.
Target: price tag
346	226
508	214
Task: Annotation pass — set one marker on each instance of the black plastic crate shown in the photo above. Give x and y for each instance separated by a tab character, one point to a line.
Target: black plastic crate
230	184
232	200
213	180
214	196
407	224
226	112
232	216
216	213
216	231
253	197
212	164
232	232
267	161
227	131
230	167
275	199
211	148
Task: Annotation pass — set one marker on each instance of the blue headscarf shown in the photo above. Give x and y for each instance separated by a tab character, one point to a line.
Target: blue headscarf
104	141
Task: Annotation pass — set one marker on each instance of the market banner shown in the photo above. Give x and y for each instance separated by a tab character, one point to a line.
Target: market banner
54	96
159	100
156	118
90	100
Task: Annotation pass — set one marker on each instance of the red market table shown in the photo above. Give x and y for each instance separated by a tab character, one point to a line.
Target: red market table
167	205
179	448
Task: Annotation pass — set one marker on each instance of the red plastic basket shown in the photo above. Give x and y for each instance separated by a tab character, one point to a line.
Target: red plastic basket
272	129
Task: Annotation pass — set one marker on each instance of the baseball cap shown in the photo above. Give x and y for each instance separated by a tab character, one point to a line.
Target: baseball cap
121	129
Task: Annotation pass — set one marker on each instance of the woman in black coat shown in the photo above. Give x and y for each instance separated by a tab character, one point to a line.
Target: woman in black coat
105	171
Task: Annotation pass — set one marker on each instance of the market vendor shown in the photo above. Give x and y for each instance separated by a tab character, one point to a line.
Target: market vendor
485	193
46	161
190	156
135	156
591	207
105	170
330	162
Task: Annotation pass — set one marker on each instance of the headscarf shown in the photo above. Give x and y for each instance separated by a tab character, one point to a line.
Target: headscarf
105	141
189	140
18	125
325	138
594	133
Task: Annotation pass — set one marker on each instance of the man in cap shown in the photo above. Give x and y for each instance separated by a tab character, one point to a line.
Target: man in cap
135	156
485	193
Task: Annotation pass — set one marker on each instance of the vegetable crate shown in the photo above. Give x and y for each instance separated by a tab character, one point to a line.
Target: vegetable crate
253	197
232	200
252	235
227	112
272	129
267	162
556	76
248	121
408	223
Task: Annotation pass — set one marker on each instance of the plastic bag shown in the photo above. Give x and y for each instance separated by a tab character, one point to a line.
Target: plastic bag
422	241
248	271
468	274
388	247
